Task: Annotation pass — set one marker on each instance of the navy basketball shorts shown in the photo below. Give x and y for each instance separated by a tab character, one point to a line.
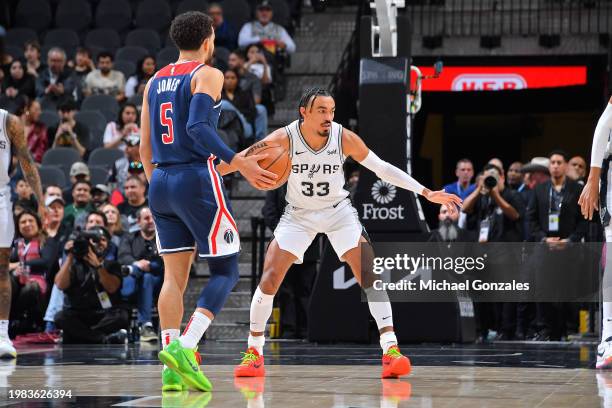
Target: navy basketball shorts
190	209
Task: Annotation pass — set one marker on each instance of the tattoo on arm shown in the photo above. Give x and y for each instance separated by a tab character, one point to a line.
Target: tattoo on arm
18	139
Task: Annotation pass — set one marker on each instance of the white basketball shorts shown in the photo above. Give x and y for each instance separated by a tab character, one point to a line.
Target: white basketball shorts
7	225
298	227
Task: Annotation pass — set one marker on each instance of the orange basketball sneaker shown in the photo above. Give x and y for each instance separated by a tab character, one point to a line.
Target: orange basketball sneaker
252	365
394	363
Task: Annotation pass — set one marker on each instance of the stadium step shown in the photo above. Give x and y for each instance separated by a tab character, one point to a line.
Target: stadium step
226	331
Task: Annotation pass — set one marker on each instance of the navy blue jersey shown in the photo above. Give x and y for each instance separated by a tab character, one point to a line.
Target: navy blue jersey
169	99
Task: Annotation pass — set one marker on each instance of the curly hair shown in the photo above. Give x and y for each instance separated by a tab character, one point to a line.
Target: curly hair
190	29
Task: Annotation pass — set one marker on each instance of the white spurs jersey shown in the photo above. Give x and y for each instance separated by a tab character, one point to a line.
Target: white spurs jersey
5	150
317	177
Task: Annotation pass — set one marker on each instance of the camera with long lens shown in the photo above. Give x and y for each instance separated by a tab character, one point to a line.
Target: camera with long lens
83	241
490	181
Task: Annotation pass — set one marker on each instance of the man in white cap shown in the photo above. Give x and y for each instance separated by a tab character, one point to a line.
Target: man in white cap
78	172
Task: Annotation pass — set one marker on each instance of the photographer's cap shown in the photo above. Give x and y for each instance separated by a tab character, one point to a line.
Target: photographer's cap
264	4
52	199
79	169
537	164
101	187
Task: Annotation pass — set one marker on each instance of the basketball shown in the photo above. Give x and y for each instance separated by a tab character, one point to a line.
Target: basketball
278	161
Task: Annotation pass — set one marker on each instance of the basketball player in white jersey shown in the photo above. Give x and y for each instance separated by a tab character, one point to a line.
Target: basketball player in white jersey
597	192
12	139
318	203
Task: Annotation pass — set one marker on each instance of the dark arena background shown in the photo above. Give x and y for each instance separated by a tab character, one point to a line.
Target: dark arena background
438	88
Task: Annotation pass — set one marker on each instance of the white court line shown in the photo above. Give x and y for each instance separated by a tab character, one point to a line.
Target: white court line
136	402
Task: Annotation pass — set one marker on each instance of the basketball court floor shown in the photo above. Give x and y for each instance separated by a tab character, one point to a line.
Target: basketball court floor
315	375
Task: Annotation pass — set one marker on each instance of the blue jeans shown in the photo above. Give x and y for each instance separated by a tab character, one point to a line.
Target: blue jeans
248	129
261	122
56	303
146	284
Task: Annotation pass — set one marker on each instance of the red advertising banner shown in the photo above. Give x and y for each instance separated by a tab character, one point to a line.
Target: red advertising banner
461	79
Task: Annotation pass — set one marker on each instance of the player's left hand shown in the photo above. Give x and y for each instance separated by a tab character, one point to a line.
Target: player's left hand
450	201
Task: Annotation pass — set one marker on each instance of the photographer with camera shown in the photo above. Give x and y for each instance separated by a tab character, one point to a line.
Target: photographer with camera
144	269
91	283
496	212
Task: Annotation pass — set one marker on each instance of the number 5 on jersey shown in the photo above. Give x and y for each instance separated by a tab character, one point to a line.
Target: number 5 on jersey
165	112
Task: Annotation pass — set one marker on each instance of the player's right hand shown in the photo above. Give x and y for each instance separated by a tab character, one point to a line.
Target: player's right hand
589	199
256	176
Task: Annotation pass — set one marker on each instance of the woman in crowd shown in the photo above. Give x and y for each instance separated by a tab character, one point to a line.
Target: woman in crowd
235	99
135	84
115	225
35	130
257	63
32	257
127	123
19	83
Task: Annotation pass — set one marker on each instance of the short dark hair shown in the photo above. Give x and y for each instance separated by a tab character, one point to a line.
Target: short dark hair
309	96
32	43
67	105
81	182
464	160
47	186
239	53
104	54
140	210
189	30
100	213
560	152
490	166
137	179
83	50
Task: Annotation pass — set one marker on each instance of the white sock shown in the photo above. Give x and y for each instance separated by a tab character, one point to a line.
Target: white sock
169	335
380	307
4	325
606	330
195	329
387	339
261	309
257	343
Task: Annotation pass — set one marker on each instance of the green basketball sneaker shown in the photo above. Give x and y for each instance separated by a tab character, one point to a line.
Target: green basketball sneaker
183	361
171	381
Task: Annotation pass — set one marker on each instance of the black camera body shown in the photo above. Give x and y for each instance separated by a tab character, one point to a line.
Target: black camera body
490	181
82	241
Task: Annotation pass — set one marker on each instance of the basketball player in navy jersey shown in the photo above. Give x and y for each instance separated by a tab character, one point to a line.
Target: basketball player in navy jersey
180	148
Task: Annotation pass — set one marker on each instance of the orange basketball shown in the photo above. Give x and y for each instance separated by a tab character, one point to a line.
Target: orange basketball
277	162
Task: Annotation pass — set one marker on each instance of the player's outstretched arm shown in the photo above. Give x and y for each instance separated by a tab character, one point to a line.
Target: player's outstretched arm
353	145
146	153
16	134
279	136
206	86
589	199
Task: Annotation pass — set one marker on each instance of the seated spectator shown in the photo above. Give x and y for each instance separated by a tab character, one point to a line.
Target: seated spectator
249	82
135	190
448	230
76	213
115	224
55	83
78	172
32	257
273	36
100	195
105	80
257	64
90	313
576	170
19	84
52	190
138	251
121	169
25	194
69	132
235	99
225	33
20	206
83	65
35	130
126	124
53	226
135	85
32	56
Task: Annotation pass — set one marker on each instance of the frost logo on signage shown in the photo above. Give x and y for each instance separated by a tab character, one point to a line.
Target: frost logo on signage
383	192
489	82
